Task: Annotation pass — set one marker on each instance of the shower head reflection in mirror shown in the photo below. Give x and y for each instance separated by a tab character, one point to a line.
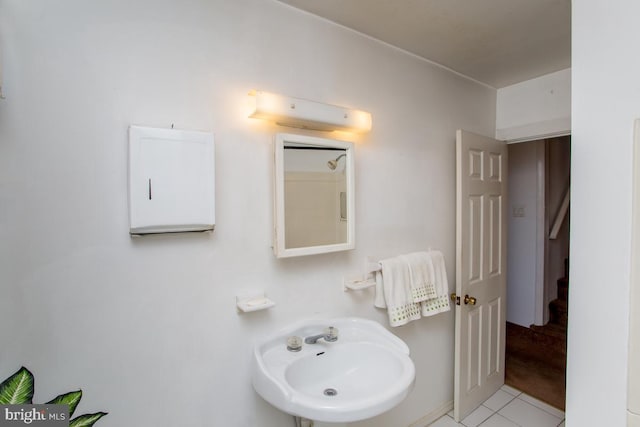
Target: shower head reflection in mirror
333	164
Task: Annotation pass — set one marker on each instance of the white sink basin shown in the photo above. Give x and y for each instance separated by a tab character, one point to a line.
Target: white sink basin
366	372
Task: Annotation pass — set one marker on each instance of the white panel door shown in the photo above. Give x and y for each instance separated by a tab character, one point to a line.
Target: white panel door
481	239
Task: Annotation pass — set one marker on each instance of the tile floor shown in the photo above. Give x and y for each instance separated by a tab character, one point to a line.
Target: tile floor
508	407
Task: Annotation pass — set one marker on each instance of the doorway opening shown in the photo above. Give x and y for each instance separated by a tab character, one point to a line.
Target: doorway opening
537	265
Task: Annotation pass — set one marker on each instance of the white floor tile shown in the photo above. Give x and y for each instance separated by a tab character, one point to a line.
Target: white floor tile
445	421
542	405
510	390
508	407
475	418
498	420
498	400
527	415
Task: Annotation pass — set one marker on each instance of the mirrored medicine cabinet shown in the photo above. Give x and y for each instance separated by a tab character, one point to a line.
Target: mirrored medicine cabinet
314	195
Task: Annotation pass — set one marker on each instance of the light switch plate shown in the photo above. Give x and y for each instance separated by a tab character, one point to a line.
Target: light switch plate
519	212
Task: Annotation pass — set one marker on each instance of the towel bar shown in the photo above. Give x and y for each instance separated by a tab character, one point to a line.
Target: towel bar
372	264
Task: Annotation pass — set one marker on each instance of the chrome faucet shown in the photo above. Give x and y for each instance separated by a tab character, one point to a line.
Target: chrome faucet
330	335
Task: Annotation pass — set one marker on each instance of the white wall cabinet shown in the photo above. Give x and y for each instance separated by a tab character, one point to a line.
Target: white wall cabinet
171	181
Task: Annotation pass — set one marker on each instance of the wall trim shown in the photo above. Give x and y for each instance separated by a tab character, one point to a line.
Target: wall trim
535	131
633	375
541	313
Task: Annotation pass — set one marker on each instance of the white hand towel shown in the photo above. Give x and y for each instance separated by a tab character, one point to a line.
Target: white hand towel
397	292
422	281
440	303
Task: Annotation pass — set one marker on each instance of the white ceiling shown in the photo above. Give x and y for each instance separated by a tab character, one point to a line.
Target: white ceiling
497	42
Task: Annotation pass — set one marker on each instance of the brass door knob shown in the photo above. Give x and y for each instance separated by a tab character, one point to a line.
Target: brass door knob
467	299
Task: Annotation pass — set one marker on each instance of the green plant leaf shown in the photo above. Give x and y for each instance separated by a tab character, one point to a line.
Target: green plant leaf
86	420
17	389
72	399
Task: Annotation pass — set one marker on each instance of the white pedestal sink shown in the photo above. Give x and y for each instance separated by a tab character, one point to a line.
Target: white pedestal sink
366	372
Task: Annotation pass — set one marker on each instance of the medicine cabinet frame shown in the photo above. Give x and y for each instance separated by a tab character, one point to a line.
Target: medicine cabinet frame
346	211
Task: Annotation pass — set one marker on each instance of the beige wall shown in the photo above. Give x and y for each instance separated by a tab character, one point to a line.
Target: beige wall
148	327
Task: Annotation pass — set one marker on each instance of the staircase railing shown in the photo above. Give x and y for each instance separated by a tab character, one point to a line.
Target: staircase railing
561	215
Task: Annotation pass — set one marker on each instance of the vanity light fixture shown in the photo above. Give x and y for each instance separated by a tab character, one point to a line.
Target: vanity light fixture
305	114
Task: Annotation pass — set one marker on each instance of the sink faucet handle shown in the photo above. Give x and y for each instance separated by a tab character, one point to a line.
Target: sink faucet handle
331	334
294	343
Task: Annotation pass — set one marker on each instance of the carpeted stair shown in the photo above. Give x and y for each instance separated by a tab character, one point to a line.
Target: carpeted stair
558	313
